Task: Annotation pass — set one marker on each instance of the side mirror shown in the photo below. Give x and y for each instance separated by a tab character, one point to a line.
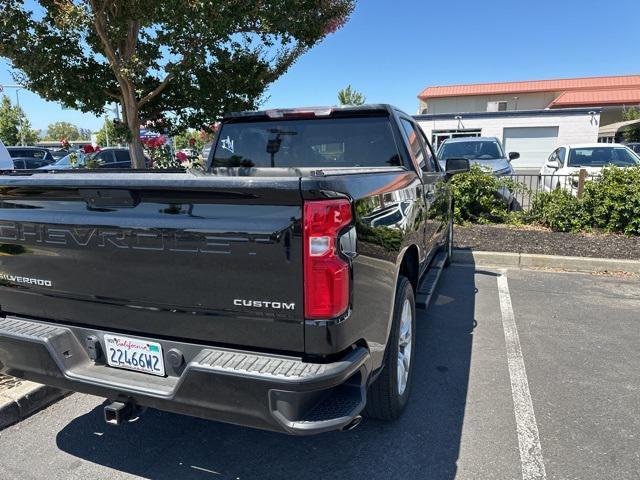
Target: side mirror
456	165
514	156
553	164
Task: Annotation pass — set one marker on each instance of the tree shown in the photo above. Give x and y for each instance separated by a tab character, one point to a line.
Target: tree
59	130
116	132
189	139
85	134
348	96
631	133
14	126
174	63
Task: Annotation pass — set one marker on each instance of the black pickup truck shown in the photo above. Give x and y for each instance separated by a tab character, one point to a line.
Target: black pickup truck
275	289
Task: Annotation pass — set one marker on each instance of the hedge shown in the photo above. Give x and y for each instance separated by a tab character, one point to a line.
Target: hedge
610	202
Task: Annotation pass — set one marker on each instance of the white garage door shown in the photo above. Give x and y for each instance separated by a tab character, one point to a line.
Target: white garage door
534	144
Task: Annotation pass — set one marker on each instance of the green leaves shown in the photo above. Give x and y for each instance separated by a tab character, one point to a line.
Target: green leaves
610	203
14	126
59	130
559	210
348	96
613	201
479	196
218	55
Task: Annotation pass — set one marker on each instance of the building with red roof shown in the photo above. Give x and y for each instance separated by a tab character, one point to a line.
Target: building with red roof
532	116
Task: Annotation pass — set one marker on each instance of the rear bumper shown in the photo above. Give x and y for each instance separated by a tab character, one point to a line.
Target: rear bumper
252	389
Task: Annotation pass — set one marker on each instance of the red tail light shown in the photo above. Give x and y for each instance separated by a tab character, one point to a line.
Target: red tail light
326	274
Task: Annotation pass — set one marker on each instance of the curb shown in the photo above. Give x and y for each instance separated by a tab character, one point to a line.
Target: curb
19	402
529	260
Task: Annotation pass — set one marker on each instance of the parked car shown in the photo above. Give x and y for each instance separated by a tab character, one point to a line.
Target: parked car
264	291
564	164
31	155
5	159
635	146
484	151
58	154
111	157
28	163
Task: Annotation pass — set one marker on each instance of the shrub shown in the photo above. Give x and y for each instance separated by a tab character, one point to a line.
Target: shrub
478	196
613	200
558	210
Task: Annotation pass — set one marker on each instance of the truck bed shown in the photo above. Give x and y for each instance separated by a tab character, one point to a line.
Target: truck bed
167	253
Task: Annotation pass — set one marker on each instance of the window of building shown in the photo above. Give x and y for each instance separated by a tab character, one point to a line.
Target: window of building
497	106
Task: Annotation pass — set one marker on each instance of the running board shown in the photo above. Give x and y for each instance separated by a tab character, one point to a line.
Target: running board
429	281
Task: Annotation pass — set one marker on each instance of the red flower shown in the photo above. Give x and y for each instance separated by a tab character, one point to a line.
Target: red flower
154	142
182	157
334	24
192	141
87	149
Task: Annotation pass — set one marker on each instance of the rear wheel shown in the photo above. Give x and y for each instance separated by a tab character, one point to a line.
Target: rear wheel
388	395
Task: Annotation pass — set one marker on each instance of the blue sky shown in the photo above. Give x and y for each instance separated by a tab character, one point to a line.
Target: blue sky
391	50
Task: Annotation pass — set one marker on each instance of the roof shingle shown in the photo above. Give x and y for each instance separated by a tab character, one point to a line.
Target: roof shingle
558	85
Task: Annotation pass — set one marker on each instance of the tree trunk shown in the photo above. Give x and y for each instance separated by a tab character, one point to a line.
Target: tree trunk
132	117
136	152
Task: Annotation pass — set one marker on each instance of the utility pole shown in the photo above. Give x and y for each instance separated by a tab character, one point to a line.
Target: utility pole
106	127
108	109
17	87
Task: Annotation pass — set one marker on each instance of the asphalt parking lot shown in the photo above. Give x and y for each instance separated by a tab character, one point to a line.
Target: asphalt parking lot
519	374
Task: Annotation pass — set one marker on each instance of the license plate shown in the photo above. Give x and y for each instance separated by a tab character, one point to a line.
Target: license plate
134	354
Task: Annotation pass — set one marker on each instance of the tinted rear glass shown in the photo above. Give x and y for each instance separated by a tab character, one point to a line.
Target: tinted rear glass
26	153
334	142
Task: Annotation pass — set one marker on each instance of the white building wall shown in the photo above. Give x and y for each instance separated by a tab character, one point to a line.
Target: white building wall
478	103
572	128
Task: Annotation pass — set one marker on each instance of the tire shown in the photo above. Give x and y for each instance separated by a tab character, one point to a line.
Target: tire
386	399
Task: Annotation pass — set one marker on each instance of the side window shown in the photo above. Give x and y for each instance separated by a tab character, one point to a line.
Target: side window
122	156
561	154
105	157
553	156
417	152
432	159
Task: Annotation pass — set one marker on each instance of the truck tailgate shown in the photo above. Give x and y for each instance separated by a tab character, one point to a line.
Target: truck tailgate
215	260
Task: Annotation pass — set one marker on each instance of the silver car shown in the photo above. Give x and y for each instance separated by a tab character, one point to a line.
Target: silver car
484	151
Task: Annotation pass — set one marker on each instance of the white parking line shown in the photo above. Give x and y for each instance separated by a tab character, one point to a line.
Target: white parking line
528	436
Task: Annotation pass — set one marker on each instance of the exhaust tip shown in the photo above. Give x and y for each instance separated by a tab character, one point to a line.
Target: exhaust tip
352	424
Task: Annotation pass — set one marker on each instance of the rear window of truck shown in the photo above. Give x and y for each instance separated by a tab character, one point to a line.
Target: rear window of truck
332	142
